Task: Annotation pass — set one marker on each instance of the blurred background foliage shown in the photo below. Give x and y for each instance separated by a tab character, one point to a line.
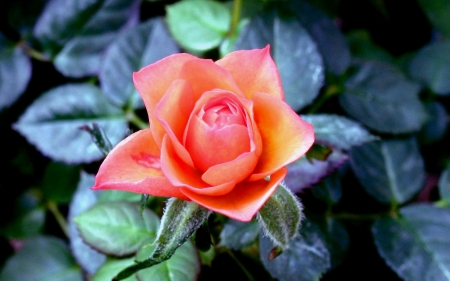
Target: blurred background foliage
372	76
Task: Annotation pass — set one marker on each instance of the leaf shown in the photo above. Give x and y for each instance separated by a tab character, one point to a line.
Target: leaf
329	189
237	235
338	131
379	96
444	184
15	73
435	127
431	66
76	32
118	195
132	50
41	258
303	173
83	199
324	30
59	181
337	240
111	267
363	48
438	13
280	216
198	25
117	228
390	170
52	122
26	225
184	265
416	245
306	258
294	51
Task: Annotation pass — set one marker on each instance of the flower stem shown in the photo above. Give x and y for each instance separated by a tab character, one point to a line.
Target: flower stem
241	266
53	208
235	16
33	53
135	120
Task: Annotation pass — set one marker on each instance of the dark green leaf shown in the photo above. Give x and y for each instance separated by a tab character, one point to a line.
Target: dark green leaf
52	122
15	72
184	265
60	181
306	259
198	25
364	48
117	228
294	51
338	131
318	152
431	66
76	32
99	138
111	267
83	199
280	217
237	235
324	30
436	125
416	245
380	96
337	240
132	50
304	173
391	170
329	189
25	225
444	184
41	258
438	12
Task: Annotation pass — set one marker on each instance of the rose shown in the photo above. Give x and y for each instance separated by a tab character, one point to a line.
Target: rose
220	134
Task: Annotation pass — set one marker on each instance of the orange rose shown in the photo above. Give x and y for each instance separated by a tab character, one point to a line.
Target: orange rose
220	134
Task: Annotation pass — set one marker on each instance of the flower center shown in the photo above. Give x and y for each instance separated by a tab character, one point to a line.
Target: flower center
218	116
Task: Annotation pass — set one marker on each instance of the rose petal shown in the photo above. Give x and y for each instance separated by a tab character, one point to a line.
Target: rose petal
285	136
134	165
254	71
204	75
171	116
153	80
244	201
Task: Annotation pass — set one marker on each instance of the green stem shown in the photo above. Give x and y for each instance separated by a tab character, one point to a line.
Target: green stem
135	120
235	17
442	203
350	216
329	92
241	266
53	208
33	53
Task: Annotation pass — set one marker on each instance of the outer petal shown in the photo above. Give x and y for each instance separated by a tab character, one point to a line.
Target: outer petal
134	165
244	201
204	75
285	136
153	80
254	71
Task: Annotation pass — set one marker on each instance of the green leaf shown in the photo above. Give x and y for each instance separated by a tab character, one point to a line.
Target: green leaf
52	122
83	199
337	240
306	258
431	66
198	25
338	131
76	32
324	30
118	195
280	216
15	73
60	181
111	267
132	50
434	129
25	225
444	184
179	222
391	170
379	96
438	12
117	228
294	51
364	48
99	137
416	245
237	235
184	265
329	189
304	173
41	258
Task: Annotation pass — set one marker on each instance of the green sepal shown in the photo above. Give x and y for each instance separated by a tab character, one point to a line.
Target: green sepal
144	199
180	220
280	216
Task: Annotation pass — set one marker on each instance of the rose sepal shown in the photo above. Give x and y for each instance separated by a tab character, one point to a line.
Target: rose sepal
280	217
178	223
